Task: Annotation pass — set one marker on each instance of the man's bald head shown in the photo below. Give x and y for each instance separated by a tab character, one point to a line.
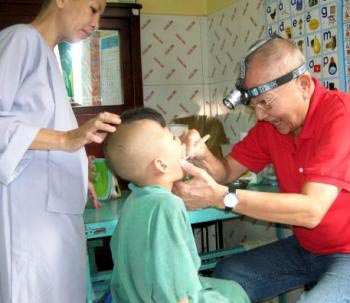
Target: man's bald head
274	59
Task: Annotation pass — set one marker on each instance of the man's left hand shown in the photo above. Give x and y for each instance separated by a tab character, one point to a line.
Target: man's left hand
201	190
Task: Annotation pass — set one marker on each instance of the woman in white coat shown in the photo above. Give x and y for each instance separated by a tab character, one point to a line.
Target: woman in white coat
43	165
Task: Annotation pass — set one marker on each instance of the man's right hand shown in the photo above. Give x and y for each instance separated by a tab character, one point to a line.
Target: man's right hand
196	148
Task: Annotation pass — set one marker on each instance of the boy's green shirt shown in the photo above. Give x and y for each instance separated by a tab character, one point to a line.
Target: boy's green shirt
155	256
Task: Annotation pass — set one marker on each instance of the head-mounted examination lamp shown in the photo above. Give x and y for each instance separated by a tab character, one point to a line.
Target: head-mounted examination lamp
239	95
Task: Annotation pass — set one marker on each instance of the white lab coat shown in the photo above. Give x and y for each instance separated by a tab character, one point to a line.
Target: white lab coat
42	193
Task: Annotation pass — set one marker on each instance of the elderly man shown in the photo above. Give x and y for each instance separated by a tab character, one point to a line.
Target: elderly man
304	131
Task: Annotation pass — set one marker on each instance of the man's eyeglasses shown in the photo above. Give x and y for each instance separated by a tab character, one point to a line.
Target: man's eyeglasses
265	104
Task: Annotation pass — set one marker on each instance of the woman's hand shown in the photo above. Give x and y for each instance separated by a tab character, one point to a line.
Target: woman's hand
201	190
93	131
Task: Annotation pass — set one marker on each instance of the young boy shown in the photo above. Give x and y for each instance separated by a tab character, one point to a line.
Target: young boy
153	248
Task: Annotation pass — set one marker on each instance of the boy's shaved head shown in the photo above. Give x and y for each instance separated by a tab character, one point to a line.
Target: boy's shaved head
142	113
135	143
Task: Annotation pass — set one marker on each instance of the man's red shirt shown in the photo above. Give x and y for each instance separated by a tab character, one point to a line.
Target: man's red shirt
321	153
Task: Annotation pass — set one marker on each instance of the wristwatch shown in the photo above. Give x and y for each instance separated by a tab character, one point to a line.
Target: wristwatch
230	200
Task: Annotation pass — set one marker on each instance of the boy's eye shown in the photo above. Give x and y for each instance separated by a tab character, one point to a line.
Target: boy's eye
93	10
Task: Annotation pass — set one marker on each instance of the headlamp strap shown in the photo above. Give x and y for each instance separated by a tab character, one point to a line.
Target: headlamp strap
242	75
256	91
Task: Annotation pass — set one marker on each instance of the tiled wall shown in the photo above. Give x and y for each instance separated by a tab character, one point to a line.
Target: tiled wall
230	33
172	64
189	63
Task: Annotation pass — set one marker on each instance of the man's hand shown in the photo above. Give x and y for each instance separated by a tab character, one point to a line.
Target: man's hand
195	145
201	190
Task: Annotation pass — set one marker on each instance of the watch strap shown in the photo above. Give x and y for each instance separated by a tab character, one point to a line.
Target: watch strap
231	189
228	209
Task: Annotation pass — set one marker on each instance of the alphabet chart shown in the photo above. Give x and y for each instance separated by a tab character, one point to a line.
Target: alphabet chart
316	28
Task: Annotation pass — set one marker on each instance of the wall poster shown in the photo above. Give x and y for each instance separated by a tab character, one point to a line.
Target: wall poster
316	27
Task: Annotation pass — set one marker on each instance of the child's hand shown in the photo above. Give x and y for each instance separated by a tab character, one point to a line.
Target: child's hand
91	168
92	195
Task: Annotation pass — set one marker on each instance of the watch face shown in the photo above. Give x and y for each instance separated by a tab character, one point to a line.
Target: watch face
230	200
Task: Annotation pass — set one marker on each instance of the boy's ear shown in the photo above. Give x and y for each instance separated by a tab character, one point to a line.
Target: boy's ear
160	165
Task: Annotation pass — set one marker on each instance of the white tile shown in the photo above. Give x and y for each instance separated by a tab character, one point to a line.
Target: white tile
231	32
174	100
171	50
199	57
204	48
